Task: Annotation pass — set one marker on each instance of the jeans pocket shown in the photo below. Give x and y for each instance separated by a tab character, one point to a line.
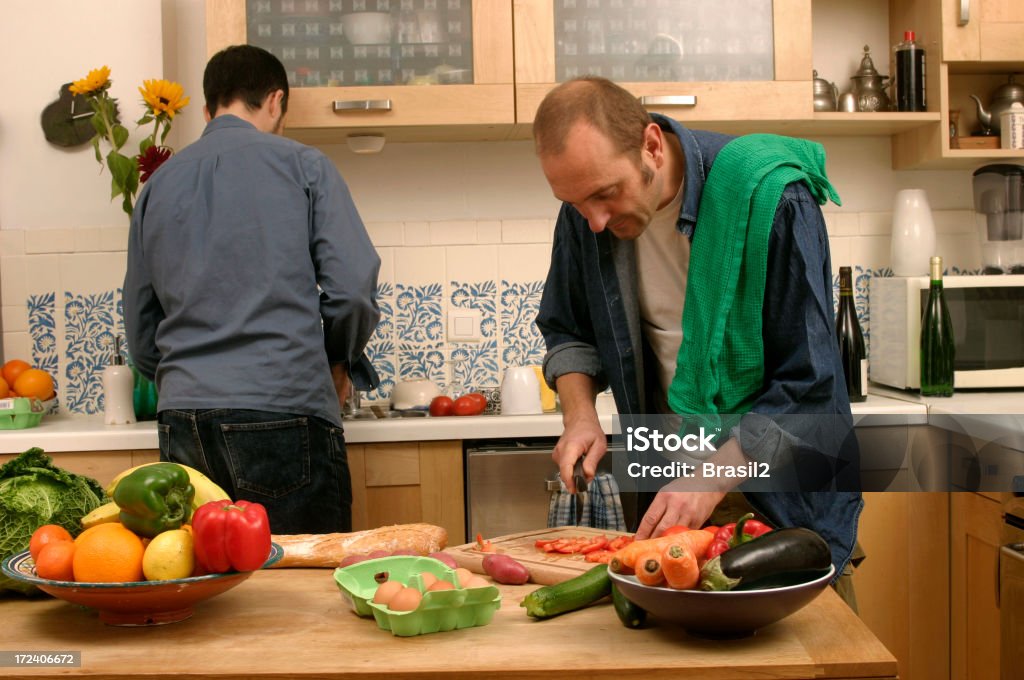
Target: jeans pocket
163	438
269	458
341	463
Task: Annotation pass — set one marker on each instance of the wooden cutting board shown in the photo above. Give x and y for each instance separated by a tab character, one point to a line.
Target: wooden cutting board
545	568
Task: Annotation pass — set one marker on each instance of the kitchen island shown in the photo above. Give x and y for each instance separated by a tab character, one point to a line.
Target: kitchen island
293	623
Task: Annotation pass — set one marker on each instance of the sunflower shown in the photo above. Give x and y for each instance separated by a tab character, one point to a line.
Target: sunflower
163	96
97	79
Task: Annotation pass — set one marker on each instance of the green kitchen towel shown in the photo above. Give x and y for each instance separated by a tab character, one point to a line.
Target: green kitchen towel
720	366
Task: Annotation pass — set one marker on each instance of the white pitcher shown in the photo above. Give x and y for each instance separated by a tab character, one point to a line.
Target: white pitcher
913	233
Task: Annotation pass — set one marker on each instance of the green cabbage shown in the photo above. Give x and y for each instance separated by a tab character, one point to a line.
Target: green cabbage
34	492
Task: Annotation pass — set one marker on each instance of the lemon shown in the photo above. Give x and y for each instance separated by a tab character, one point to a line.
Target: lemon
168	556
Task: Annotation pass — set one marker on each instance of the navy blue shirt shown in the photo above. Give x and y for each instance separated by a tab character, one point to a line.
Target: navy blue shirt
249	273
589	317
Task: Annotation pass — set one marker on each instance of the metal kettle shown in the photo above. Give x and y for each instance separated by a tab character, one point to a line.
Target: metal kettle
1002	99
825	94
869	86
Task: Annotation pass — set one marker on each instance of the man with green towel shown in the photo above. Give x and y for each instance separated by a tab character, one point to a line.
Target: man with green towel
656	215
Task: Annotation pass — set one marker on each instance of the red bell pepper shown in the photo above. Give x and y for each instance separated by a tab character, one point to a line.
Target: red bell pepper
231	536
732	534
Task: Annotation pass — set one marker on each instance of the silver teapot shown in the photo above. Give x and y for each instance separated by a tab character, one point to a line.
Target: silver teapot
1002	99
825	94
869	86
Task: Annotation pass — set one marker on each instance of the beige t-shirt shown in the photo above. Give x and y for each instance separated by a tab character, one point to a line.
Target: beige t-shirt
663	260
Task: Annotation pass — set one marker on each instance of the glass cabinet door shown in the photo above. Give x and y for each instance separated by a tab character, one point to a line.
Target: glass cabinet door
734	60
381	63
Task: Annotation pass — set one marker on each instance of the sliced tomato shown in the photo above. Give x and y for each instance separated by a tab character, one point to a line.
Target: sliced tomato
620	542
600	556
541	542
598	543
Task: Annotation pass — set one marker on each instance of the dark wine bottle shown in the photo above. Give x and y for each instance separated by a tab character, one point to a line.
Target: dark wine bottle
851	340
937	344
910	75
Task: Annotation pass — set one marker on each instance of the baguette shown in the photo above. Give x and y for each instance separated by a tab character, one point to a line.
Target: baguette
328	550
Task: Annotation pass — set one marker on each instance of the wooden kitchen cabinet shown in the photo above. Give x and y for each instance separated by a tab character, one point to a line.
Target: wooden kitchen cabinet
102	466
975	534
405	482
482	109
982	30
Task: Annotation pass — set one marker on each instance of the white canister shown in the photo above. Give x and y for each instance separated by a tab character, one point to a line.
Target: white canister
1011	127
913	233
118	393
520	392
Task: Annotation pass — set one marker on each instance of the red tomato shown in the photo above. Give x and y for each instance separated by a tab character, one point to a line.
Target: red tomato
479	399
467	405
441	406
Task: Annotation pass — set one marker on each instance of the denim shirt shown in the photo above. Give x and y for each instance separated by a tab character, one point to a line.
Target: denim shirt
589	317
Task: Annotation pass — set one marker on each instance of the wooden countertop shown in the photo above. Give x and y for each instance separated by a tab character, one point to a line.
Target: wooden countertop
293	623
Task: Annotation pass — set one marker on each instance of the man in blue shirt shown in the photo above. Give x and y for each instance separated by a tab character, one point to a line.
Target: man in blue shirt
250	296
631	185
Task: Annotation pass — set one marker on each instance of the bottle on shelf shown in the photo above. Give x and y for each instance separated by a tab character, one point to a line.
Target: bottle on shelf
851	340
910	75
937	343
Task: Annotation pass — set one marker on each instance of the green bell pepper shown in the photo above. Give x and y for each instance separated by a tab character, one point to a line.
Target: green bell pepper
155	498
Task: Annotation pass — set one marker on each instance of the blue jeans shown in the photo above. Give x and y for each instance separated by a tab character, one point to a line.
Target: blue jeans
295	466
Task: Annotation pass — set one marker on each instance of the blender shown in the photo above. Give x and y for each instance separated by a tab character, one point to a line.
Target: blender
999	196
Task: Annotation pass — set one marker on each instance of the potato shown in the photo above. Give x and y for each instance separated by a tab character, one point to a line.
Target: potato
505	569
444	557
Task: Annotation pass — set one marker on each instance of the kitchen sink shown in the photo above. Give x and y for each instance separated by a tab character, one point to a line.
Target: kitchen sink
381	413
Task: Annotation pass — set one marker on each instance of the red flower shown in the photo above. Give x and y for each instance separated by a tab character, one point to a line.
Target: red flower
152	159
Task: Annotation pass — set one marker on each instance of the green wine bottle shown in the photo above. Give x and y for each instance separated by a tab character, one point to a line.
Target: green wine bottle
937	345
851	340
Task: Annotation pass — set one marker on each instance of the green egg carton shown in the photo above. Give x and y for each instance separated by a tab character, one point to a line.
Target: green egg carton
19	413
440	610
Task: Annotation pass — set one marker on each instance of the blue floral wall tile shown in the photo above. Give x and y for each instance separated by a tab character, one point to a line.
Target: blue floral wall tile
418	314
381	348
420	361
476	364
42	328
90	324
522	342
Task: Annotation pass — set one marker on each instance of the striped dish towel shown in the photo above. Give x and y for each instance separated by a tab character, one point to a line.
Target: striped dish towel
602	508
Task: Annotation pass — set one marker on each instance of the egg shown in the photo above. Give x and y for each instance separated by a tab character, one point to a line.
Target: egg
428	579
386	592
407	600
478	582
464	576
441	585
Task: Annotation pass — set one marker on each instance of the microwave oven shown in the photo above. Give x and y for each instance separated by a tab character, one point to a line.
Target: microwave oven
988	329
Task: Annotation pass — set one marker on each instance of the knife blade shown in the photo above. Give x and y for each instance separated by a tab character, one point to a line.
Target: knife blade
579	482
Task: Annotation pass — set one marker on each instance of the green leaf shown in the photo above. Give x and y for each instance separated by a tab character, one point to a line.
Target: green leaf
163	136
145	144
96	148
145	120
122	169
97	124
120	136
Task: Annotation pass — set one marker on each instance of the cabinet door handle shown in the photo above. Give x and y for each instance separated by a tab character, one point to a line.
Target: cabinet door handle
965	13
362	105
668	100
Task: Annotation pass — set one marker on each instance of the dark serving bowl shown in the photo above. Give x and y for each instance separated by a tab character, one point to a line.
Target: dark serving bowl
730	613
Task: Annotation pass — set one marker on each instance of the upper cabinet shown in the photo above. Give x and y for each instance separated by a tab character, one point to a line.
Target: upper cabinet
724	64
413	69
982	30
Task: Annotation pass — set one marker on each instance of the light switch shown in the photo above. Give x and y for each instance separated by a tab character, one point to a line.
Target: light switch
464	325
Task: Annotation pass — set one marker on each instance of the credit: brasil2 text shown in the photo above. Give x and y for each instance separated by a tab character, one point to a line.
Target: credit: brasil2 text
675	470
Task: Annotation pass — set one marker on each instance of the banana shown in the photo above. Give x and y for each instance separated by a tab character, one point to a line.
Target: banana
206	489
108	512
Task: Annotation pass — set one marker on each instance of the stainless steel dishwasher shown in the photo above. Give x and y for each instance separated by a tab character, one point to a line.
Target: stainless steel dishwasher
509	485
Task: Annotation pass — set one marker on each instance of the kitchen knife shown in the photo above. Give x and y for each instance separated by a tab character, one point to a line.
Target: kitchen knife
579	482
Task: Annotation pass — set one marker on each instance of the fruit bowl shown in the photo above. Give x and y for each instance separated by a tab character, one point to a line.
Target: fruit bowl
720	614
134	603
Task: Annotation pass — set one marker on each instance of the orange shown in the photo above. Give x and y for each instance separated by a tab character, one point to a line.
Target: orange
108	553
13	368
56	561
34	382
44	535
5	389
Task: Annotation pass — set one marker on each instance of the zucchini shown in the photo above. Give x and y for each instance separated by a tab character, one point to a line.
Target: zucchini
576	593
631	615
780	557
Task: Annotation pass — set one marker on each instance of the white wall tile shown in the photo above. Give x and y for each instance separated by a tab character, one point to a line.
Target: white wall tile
870	252
419	266
959	250
15	317
954	221
13	280
843	224
12	242
416	234
527	231
49	241
43	276
387	265
840	248
114	238
92	272
524	262
488	231
471	264
875	223
453	233
385	233
87	239
17	346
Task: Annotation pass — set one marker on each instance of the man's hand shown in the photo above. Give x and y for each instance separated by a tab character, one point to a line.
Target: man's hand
339	375
581	437
671	507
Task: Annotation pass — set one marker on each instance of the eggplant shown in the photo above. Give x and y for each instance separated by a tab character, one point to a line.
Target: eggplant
777	558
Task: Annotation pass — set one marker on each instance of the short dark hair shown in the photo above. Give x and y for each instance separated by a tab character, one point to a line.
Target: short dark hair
243	72
610	108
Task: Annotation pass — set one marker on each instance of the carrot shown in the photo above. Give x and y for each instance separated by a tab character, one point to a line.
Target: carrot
648	569
624	561
679	567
